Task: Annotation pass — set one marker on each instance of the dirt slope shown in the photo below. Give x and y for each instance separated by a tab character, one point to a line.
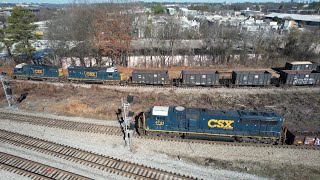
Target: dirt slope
301	108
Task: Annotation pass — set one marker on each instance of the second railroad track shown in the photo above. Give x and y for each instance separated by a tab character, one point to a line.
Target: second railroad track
114	130
105	163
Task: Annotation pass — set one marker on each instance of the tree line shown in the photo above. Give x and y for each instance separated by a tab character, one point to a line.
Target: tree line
81	31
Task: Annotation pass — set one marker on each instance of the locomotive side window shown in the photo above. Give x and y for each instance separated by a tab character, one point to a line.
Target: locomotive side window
160	118
110	75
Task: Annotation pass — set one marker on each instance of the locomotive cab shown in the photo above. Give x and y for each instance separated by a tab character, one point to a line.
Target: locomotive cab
18	70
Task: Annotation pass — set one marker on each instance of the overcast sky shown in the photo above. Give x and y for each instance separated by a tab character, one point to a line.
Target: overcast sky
68	1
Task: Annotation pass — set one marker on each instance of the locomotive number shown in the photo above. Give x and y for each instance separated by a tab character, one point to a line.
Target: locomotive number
38	71
90	74
223	124
159	123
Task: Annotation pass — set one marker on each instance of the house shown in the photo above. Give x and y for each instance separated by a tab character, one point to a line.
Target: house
171	11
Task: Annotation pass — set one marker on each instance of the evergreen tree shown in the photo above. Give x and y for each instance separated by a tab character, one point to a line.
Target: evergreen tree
19	32
158	9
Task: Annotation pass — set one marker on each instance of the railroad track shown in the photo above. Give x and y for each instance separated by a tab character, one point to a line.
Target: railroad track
224	143
34	169
112	130
306	133
106	163
86	85
62	124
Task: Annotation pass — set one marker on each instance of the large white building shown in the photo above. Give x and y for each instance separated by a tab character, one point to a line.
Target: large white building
309	20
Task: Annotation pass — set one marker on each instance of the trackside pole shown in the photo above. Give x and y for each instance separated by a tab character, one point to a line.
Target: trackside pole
7	89
126	124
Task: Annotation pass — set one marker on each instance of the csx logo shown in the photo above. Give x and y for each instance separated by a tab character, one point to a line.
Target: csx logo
223	124
38	71
90	74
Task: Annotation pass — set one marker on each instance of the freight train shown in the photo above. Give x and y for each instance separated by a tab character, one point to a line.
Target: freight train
75	74
239	125
295	73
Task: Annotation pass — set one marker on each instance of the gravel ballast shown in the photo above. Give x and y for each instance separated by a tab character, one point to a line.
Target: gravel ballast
58	163
148	152
5	175
52	116
204	161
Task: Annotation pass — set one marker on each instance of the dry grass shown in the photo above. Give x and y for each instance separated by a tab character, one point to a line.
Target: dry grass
45	90
264	169
301	110
6	69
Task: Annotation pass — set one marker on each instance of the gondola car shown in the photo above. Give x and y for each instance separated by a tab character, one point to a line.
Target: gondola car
150	77
250	126
251	78
199	78
298	78
94	75
37	72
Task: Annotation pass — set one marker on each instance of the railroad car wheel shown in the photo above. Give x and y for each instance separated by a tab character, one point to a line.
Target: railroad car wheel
238	139
174	136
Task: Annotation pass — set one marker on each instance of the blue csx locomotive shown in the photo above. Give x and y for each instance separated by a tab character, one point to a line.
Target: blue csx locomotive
31	71
249	126
75	73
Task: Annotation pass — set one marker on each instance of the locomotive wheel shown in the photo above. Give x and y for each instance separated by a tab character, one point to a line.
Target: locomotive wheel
238	139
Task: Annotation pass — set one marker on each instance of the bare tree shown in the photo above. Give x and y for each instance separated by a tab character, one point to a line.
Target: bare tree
70	31
113	32
301	45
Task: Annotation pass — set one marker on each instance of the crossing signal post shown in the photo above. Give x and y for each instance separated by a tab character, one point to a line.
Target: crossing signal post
127	116
7	89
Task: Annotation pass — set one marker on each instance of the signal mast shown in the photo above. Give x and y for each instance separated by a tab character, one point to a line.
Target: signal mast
7	89
127	115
